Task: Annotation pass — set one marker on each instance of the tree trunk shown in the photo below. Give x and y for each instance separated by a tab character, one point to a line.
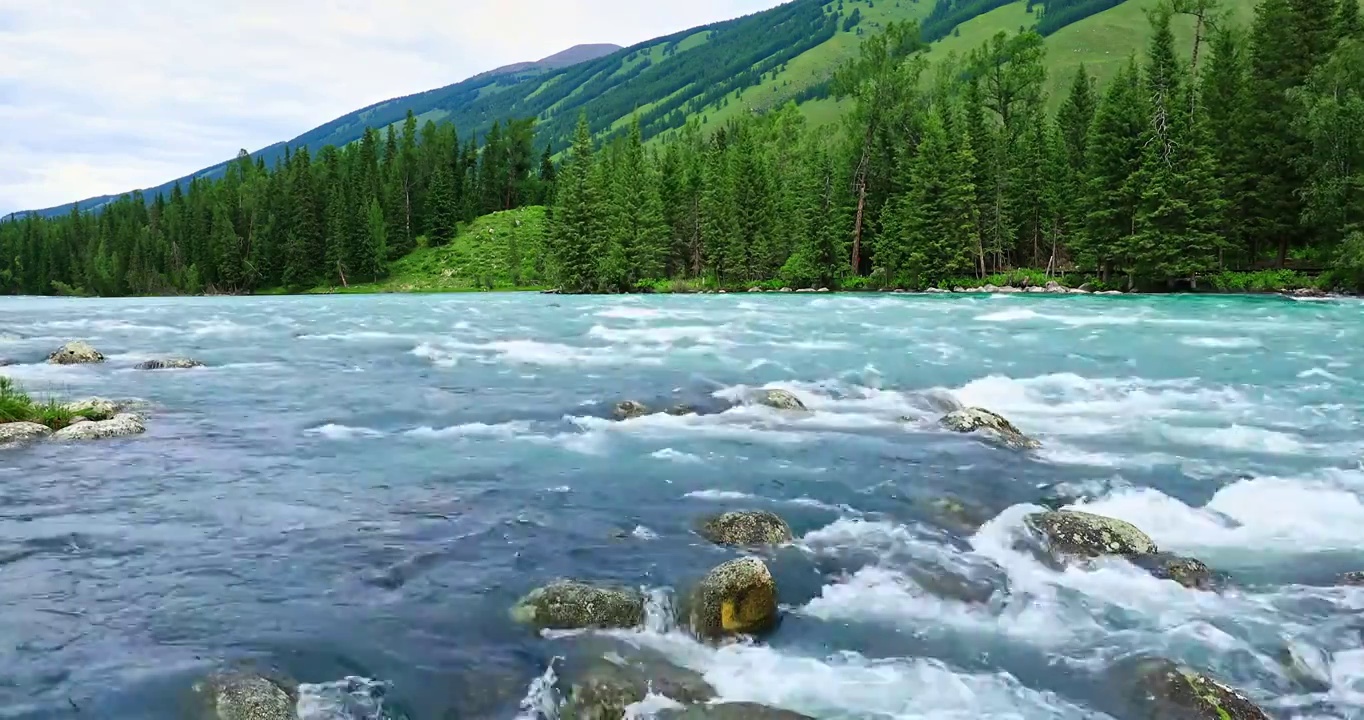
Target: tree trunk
857	223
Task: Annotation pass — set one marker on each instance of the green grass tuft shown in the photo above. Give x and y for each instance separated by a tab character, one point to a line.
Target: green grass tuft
17	406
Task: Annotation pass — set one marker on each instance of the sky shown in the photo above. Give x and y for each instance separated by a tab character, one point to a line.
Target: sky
101	97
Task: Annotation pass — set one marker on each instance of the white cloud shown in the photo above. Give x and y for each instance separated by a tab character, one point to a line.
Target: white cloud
100	97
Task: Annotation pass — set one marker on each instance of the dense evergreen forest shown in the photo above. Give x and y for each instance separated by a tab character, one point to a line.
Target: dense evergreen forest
1247	153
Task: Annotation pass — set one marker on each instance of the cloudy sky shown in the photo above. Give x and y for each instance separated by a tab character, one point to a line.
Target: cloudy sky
101	97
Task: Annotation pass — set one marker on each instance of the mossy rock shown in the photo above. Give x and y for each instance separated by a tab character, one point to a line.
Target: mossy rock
571	605
745	528
731	711
736	598
244	696
779	399
956	514
168	364
1166	691
94	408
601	687
629	410
1190	572
992	425
1082	534
16	433
75	353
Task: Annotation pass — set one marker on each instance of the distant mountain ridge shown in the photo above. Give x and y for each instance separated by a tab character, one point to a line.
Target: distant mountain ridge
716	72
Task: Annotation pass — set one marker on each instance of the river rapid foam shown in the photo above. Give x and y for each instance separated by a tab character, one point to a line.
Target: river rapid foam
354	490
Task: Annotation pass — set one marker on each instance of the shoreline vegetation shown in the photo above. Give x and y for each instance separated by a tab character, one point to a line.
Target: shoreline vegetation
1233	166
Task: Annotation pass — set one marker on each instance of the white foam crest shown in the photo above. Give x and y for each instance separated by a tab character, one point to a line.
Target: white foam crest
732	425
1010	315
643	533
354	698
813	345
1069	404
219	327
650	706
1025	314
1321	373
630	312
334	431
359	336
1241	438
880	595
676	456
541	701
712	494
660	335
1221	343
848	684
534	352
1275	515
105	325
511	429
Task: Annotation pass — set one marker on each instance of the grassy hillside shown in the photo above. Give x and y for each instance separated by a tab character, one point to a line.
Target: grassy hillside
495	252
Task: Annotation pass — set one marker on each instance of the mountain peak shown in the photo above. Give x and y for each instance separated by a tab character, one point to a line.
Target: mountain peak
572	56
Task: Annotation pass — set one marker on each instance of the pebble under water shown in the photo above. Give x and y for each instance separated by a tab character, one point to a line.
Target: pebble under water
358	487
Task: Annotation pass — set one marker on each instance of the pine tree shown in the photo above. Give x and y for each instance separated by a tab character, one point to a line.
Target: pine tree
1073	122
576	221
1115	155
442	208
1177	210
635	224
1226	101
719	221
1348	24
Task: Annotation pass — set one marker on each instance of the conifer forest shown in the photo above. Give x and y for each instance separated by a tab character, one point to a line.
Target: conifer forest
1245	154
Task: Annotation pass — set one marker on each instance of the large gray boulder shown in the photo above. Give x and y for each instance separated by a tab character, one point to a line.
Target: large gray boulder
602	686
1190	572
94	408
736	598
1162	690
990	424
122	425
1086	535
243	696
16	433
168	364
731	711
74	353
778	398
745	528
571	605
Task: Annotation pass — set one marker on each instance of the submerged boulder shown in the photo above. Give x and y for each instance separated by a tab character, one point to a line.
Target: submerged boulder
629	409
20	432
745	528
602	686
122	425
1082	534
571	605
1190	572
93	408
779	399
1162	690
243	696
970	420
731	711
738	597
957	514
74	353
681	409
168	364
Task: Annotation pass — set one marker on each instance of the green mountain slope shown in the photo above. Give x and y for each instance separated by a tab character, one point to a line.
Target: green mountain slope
749	64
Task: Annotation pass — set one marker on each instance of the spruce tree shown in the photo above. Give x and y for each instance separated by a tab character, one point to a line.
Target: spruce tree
1115	155
1226	101
576	221
442	208
1348	24
635	226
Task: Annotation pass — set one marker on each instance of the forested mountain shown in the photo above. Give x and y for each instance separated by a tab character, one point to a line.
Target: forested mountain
717	72
1239	151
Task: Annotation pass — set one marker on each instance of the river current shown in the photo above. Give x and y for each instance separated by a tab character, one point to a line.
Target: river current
356	489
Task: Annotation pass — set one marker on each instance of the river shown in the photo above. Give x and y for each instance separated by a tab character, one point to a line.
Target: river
360	486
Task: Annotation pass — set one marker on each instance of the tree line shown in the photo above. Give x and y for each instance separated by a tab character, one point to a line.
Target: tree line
333	218
1246	152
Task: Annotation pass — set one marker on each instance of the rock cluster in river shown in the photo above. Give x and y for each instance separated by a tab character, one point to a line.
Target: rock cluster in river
991	425
168	364
75	353
1163	690
572	605
778	398
736	598
245	696
745	528
1076	535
